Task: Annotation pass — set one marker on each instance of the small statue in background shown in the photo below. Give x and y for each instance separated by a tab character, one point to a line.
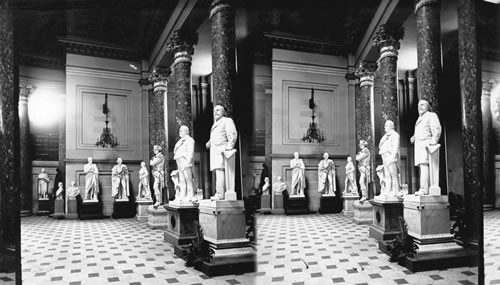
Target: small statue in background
298	175
60	191
119	181
158	171
326	176
279	186
143	192
72	191
363	159
43	185
91	180
266	186
350	177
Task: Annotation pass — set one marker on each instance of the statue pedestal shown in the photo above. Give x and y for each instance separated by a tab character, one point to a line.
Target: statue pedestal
90	210
349	200
330	204
363	213
58	209
43	207
278	204
224	228
72	209
265	204
296	205
157	218
386	223
142	209
181	229
428	220
123	209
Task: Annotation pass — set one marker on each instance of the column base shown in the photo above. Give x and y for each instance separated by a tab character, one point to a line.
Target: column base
349	200
363	213
296	205
58	209
142	209
330	204
25	213
157	218
123	209
90	210
181	228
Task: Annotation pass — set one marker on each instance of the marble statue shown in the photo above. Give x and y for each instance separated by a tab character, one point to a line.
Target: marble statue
158	162
60	191
143	191
183	156
43	185
425	138
380	174
279	186
266	186
326	176
72	191
91	180
58	178
350	177
298	175
120	181
363	158
389	150
223	137
174	176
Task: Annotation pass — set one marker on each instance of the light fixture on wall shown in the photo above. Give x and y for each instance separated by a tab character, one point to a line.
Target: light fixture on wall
107	139
313	133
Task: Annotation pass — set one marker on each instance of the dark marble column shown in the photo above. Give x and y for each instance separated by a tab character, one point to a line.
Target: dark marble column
387	41
24	137
470	93
62	141
488	151
10	179
427	14
181	46
268	113
223	53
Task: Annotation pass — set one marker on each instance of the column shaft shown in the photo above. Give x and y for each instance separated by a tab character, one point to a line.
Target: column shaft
206	105
488	152
26	192
182	73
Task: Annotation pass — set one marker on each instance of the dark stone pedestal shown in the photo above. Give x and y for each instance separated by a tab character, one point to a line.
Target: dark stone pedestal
90	210
181	228
330	204
363	213
142	209
157	218
278	204
123	209
58	209
296	205
441	260
265	204
43	207
386	223
72	209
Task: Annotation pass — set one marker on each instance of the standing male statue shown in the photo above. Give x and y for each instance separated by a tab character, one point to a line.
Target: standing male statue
326	176
363	159
43	185
158	162
425	138
298	175
91	180
221	144
389	150
119	181
183	156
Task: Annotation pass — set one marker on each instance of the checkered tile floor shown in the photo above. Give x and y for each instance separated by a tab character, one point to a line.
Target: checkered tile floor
492	247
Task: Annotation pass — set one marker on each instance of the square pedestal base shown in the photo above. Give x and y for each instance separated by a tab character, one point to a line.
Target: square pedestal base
181	228
296	205
330	204
90	210
43	207
446	255
123	209
157	218
386	223
349	200
58	209
142	209
265	204
278	204
72	209
363	213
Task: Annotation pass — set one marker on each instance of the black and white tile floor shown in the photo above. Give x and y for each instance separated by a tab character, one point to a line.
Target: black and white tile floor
308	249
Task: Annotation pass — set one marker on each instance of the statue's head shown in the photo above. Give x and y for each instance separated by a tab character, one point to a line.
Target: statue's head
388	126
325	155
349	159
156	149
60	184
43	170
119	160
363	144
183	131
218	112
89	159
279	179
143	164
73	183
423	107
266	180
296	155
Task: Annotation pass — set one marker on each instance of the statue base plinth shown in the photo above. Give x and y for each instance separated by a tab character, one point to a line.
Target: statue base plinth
58	209
278	204
72	209
90	209
224	227
142	209
230	196
349	200
265	204
296	205
181	228
386	223
330	204
363	213
43	207
123	209
157	218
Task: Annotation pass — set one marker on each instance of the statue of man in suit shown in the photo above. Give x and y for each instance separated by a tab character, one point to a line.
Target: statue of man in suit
389	150
183	156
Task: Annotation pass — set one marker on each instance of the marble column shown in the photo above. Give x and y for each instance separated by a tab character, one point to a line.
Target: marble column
207	117
488	141
223	53
427	14
62	141
268	113
387	41
181	46
10	178
470	92
412	118
26	192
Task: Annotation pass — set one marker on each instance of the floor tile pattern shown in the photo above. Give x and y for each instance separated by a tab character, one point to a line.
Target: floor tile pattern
492	247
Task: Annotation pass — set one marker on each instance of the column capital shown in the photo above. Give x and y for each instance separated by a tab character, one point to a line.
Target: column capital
25	92
487	86
219	5
387	38
366	73
181	45
159	77
421	3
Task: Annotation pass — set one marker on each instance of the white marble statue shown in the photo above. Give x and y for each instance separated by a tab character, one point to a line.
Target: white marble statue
380	174
350	178
120	181
223	137
389	150
425	138
72	191
363	158
298	175
60	191
279	186
91	180
143	191
183	156
266	186
43	185
326	176
158	171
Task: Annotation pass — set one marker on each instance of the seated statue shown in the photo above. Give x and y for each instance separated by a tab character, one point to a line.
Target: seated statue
326	176
350	177
279	186
266	186
43	185
389	150
119	181
143	191
60	191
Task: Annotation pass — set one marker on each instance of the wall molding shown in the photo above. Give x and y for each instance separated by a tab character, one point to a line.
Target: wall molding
102	73
308	68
